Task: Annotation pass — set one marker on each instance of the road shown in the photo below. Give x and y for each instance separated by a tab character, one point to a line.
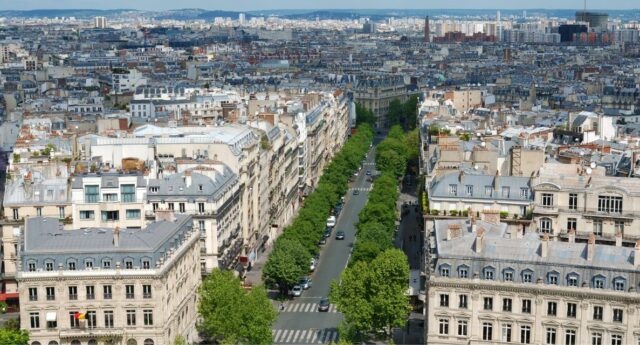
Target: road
300	322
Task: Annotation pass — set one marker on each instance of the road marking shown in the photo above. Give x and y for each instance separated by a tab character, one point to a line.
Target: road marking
308	308
309	336
319	336
335	337
295	307
305	336
284	334
332	308
295	336
302	336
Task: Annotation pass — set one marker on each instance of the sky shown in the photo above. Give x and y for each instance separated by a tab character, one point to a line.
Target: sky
247	5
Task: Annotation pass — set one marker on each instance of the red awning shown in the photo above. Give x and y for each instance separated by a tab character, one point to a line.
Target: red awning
6	296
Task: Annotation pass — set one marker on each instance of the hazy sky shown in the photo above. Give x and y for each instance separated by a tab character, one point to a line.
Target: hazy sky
308	4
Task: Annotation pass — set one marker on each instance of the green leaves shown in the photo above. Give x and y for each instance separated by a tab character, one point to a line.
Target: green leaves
287	263
231	314
365	116
13	337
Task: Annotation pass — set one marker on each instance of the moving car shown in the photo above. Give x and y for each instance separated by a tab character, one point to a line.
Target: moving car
356	192
305	282
323	305
296	291
368	173
340	235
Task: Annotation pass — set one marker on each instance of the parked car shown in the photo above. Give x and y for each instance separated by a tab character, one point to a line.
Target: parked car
312	267
296	291
340	235
305	282
323	305
327	232
322	241
331	221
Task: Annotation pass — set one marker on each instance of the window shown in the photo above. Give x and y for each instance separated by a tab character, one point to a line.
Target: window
619	284
572	280
547	200
469	189
128	264
597	312
129	291
488	273
107	292
154	206
133	214
128	192
552	308
488	303
526	306
598	282
33	294
572	224
616	339
444	271
39	211
444	326
462	299
148	342
171	206
113	197
453	189
71	265
146	264
462	328
148	317
552	278
91	292
507	303
506	333
487	331
131	317
488	190
572	309
91	319
505	192
550	336
106	263
444	300
73	319
73	293
154	189
108	319
34	319
573	201
51	293
546	225
32	267
91	193
570	337
609	204
597	227
617	315
525	334
596	338
61	212
618	227
524	192
146	291
527	276
88	264
181	207
110	216
508	275
48	266
201	207
463	272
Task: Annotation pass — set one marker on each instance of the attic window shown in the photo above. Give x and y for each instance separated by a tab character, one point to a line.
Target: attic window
153	189
200	187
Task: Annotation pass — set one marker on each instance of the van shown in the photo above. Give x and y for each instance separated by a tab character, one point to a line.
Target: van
331	221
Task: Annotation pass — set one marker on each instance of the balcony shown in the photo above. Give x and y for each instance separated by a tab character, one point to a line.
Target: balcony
83	331
542	209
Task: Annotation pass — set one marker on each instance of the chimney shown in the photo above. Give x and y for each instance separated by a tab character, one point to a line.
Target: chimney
461	177
636	254
591	247
619	239
496	183
479	240
165	215
453	231
572	236
491	216
544	246
187	178
116	237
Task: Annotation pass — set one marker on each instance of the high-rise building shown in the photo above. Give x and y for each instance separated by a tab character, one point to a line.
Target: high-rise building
427	30
99	22
241	18
368	27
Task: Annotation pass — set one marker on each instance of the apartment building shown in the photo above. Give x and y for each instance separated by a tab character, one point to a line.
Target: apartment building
108	199
586	201
376	92
487	285
212	198
109	285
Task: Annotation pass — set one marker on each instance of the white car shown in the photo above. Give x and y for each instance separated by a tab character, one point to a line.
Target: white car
296	291
331	221
312	267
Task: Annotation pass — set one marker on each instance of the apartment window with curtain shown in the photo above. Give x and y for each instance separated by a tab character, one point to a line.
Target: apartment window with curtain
91	193
128	192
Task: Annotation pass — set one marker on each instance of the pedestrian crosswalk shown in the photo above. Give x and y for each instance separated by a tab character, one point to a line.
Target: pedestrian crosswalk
306	308
362	189
305	336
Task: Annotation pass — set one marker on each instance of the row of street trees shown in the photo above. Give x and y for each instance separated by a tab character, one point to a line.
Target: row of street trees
293	250
371	292
403	113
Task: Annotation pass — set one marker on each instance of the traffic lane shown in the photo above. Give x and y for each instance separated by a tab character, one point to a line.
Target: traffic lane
307	320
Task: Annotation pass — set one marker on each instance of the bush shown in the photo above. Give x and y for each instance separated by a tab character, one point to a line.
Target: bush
465	213
453	213
435	212
504	214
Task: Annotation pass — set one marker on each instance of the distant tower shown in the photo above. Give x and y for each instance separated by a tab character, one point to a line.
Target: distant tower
241	18
99	22
427	31
499	27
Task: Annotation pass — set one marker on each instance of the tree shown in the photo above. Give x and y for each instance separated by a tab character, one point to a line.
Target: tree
391	161
365	116
179	340
288	262
13	337
233	315
364	252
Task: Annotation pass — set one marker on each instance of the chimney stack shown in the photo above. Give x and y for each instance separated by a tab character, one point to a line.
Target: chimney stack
116	237
591	247
165	215
618	239
491	216
636	254
572	236
480	240
187	178
453	231
544	246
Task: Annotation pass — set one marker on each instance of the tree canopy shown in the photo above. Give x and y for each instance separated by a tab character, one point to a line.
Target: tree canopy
13	337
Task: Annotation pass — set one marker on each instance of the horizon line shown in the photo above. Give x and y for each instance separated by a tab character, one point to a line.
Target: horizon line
316	9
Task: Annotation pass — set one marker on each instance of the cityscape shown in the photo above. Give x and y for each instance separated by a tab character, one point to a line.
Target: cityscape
276	172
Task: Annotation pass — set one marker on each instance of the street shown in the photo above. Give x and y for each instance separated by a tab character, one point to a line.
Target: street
300	322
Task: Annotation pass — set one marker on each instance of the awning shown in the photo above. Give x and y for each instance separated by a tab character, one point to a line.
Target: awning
10	295
51	316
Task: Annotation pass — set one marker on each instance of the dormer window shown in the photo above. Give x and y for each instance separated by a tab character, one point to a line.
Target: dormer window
32	267
88	264
552	278
200	187
444	270
598	282
106	264
154	189
572	279
146	264
527	276
619	284
48	265
489	273
128	264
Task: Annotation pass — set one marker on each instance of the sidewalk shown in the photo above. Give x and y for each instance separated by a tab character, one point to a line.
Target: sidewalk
254	277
